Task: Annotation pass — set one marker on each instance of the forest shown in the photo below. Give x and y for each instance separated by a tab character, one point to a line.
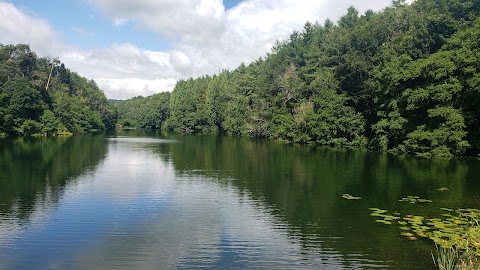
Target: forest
403	80
39	96
144	112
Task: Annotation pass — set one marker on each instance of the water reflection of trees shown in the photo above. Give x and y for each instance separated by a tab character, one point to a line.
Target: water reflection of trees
36	170
304	186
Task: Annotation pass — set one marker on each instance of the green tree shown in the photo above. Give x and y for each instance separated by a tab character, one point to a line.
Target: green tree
403	80
27	106
50	124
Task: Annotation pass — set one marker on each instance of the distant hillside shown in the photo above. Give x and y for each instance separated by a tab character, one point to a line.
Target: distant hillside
115	101
144	112
33	103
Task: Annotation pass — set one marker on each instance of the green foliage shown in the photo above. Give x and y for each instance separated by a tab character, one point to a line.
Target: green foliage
403	80
28	127
456	234
253	101
191	108
443	139
70	104
144	112
50	123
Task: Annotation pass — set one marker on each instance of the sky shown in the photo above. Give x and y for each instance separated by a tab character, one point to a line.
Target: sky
141	47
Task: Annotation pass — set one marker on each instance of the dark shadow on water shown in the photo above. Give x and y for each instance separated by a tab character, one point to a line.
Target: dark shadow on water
35	170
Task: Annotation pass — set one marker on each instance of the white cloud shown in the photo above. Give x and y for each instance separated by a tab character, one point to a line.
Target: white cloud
206	38
130	87
125	71
161	58
209	38
180	61
83	33
122	70
18	27
168	17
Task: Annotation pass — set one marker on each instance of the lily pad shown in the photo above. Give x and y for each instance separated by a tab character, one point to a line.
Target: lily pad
407	234
414	199
350	197
386	222
459	228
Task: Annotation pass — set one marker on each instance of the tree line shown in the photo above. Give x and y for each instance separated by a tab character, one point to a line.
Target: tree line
41	96
403	80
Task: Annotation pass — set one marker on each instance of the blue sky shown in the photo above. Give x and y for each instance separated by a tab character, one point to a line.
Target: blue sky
81	24
141	47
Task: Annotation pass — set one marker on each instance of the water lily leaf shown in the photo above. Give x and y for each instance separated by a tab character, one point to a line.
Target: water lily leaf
458	221
439	225
407	234
421	234
458	228
350	197
414	199
414	220
383	221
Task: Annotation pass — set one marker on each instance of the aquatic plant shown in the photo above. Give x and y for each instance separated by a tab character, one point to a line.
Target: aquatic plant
456	234
350	197
446	258
453	258
387	218
414	199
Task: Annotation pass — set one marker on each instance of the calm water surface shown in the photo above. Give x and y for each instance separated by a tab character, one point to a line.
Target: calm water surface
145	201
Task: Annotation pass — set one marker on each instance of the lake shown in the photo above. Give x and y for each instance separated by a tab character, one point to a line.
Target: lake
142	200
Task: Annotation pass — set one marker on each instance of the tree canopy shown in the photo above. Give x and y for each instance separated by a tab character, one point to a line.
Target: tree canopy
33	102
403	80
